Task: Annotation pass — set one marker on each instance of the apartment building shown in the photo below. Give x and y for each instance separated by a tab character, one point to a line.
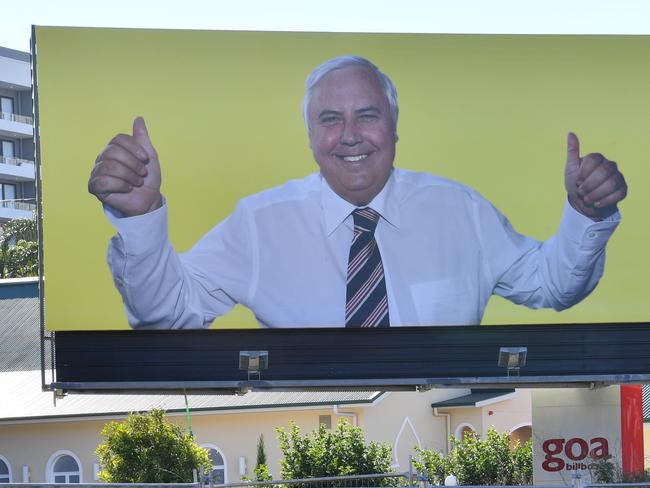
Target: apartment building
17	169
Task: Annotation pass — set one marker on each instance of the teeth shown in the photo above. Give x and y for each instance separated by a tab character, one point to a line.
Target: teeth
352	159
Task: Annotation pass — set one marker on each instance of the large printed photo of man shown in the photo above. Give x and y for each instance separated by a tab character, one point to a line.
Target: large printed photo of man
231	180
360	243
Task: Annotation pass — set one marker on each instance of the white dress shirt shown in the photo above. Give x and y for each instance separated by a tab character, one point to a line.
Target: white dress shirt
283	253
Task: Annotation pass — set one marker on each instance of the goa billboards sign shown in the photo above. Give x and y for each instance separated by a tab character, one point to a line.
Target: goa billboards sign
570	438
224	120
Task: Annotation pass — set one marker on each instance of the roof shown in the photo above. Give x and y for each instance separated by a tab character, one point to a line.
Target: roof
14	54
20	343
29	402
477	398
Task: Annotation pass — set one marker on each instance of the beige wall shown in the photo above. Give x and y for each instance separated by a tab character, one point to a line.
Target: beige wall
508	415
33	444
236	434
405	419
466	416
402	419
505	415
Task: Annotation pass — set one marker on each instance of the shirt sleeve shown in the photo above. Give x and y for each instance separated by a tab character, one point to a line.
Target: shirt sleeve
555	273
165	290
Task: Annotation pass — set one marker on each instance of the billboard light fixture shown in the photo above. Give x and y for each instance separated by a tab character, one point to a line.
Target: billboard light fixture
253	362
513	359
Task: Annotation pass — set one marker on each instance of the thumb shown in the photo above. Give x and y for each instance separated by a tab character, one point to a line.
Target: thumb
141	135
572	152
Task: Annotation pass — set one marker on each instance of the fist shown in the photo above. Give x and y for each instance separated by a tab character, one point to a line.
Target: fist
593	183
126	175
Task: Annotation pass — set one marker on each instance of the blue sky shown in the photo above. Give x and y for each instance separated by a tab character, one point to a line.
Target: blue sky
443	16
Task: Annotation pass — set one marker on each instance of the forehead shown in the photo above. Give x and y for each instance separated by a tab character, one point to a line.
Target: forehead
348	87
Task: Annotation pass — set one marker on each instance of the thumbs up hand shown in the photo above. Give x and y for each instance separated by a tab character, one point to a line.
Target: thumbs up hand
126	174
593	183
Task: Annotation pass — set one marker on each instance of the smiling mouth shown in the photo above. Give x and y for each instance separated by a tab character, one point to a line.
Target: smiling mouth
354	159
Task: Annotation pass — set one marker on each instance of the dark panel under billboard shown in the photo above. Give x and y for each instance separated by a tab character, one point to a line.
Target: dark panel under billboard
388	358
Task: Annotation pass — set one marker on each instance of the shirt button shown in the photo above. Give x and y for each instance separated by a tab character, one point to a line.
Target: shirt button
592	235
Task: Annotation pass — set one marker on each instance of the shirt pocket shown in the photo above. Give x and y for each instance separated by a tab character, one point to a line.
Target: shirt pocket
446	302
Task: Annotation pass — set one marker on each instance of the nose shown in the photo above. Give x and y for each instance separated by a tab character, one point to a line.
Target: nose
350	135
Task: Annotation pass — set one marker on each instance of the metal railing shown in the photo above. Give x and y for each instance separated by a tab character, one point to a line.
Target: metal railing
101	485
18	205
354	481
15	161
364	481
640	484
23	119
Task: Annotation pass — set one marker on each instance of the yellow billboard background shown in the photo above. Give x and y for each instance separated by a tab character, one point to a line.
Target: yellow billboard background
224	112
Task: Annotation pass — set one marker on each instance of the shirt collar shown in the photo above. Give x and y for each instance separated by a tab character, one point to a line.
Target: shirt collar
336	209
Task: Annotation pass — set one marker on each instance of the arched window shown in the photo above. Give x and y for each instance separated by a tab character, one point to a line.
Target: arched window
521	433
63	467
463	430
218	461
5	470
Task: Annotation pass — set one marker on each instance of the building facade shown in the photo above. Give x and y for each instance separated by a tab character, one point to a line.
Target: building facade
17	169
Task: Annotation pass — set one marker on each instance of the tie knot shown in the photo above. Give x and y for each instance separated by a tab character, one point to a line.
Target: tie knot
365	219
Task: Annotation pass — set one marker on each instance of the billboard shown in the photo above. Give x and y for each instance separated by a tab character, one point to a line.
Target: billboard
223	112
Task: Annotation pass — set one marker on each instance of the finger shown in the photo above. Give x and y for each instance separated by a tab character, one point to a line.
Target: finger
130	144
124	156
141	135
600	195
572	152
116	169
103	186
612	198
594	170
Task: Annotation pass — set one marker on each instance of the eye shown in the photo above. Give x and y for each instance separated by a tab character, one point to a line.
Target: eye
369	117
329	120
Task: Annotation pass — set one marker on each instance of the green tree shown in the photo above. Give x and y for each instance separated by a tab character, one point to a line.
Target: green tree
145	448
607	470
261	451
321	453
261	471
476	461
434	465
19	249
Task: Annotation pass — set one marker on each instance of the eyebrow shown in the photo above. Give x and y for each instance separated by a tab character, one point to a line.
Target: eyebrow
325	113
368	109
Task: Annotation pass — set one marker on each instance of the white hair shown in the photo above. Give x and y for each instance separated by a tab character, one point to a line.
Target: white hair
342	62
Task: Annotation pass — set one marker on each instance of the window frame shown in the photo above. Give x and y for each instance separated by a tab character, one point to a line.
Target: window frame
49	468
8	202
2	151
13	104
460	429
223	456
9	472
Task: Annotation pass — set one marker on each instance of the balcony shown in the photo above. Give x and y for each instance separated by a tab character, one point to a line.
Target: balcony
16	169
16	209
23	119
16	126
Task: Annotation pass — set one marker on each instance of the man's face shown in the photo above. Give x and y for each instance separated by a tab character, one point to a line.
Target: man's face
351	133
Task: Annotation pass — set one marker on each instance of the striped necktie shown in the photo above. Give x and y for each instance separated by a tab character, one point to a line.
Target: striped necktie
366	299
